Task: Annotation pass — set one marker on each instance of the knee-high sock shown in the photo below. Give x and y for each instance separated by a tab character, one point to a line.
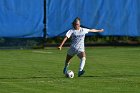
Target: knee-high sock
66	64
82	63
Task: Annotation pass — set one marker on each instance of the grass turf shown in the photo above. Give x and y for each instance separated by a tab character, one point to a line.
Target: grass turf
108	70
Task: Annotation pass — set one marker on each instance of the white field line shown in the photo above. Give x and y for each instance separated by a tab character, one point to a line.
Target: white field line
42	52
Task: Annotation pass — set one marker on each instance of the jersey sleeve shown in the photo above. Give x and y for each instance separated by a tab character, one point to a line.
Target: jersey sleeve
86	30
69	33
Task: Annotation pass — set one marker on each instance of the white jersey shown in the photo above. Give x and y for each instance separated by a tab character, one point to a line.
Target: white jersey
78	38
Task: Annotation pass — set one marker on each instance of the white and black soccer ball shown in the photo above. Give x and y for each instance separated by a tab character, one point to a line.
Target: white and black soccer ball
70	74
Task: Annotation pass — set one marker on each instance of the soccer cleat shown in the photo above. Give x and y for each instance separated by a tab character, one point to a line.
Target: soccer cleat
65	70
81	73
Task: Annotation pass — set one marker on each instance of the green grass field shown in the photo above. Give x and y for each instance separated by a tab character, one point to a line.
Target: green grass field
108	70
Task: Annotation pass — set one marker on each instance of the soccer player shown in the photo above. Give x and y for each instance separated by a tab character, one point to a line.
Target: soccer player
77	45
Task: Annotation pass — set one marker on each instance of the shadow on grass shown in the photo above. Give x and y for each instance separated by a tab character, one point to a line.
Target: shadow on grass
112	76
90	76
36	77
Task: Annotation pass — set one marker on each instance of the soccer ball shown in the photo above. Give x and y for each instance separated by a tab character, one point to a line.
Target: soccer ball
70	74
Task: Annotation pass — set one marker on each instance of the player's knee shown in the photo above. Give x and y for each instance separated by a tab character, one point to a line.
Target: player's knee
83	58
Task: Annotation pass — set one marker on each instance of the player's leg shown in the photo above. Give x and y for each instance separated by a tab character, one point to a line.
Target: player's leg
82	56
67	61
70	54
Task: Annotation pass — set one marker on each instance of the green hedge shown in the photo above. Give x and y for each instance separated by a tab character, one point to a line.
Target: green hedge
40	42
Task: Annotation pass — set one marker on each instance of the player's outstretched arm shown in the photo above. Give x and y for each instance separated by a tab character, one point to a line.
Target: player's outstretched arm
61	45
95	30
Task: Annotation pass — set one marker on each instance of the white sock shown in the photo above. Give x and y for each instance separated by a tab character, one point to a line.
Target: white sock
82	63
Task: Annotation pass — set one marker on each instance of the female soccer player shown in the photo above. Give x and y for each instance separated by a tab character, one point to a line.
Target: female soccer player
77	45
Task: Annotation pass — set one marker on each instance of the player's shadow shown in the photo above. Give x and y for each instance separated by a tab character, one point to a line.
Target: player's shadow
84	76
91	76
112	76
35	77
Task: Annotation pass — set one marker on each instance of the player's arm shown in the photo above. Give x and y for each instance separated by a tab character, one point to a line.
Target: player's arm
63	42
95	30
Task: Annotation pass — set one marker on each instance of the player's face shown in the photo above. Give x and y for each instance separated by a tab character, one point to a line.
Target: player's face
77	24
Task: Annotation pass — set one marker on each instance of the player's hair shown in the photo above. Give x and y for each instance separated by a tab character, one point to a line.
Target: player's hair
75	21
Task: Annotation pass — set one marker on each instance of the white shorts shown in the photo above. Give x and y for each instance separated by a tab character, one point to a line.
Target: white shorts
73	51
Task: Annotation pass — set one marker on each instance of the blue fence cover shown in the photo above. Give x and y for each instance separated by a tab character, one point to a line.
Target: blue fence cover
21	18
117	17
24	18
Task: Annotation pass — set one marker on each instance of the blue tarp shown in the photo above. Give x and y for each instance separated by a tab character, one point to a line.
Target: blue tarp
24	18
21	18
117	17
